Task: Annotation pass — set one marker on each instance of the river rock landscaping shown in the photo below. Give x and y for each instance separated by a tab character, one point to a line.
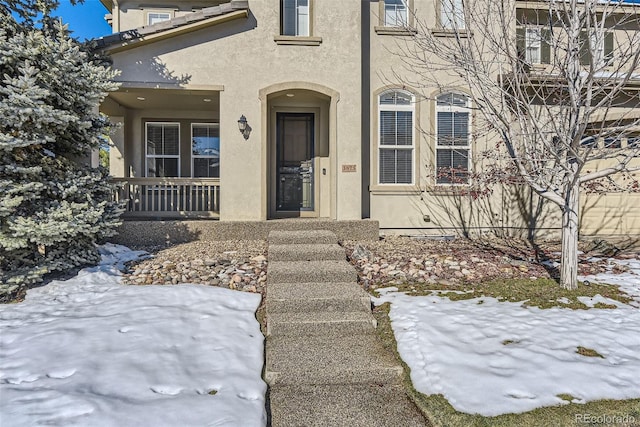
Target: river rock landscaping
240	265
397	260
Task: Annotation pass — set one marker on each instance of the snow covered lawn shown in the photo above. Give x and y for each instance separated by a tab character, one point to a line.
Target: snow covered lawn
89	351
488	357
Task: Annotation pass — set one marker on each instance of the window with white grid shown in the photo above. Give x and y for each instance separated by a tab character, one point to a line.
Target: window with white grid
162	149
205	150
396	145
452	14
294	18
395	13
453	145
156	17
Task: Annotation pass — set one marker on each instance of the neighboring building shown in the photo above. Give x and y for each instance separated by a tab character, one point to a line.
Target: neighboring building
327	131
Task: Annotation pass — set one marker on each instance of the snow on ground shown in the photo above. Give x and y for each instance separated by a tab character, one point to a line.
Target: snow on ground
491	358
90	351
628	281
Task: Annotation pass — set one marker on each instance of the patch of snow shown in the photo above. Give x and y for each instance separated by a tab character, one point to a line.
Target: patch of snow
563	300
551	264
628	282
499	357
90	351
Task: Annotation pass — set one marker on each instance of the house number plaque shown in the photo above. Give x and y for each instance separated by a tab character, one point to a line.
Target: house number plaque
348	168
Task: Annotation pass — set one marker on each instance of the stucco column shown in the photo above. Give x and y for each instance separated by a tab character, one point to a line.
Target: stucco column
116	148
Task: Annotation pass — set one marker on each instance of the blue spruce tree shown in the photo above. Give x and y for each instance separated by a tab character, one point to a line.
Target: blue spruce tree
53	206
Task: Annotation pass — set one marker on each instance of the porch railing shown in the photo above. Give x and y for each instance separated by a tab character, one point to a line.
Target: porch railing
169	197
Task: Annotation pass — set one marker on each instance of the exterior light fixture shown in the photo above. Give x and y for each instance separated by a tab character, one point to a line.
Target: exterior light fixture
244	127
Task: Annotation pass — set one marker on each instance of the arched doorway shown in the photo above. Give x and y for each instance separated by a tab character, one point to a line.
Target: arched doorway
299	146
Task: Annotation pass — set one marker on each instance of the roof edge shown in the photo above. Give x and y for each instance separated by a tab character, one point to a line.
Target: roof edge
209	16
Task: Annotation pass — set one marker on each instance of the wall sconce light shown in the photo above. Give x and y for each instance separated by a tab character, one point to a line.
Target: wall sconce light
244	127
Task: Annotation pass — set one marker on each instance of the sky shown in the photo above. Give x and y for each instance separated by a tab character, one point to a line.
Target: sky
85	20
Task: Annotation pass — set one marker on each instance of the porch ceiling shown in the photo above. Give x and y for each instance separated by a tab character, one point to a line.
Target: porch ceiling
174	99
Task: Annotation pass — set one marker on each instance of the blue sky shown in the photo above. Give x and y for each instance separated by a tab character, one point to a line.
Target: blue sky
85	20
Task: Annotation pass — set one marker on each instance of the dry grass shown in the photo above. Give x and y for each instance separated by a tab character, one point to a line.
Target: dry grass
588	352
541	293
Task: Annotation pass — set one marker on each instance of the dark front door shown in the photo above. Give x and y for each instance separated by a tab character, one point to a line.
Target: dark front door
294	162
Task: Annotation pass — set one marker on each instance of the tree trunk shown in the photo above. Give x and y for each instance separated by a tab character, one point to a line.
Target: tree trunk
569	258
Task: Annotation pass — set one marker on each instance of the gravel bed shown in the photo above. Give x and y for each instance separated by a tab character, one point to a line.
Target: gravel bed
396	260
240	265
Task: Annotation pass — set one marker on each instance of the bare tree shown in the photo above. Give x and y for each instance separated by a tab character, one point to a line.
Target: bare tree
555	83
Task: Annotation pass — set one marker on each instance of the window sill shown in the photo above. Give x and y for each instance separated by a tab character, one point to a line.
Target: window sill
444	32
395	31
394	189
297	40
448	189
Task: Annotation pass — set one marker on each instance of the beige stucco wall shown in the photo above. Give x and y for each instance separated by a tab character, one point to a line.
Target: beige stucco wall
243	57
425	209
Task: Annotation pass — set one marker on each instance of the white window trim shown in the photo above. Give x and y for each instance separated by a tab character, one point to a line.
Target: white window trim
596	37
148	156
528	39
194	156
454	21
297	17
405	7
412	147
158	12
453	109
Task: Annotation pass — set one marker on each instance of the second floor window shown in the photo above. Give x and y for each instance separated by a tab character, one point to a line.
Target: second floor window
395	13
294	15
156	17
596	46
533	45
452	14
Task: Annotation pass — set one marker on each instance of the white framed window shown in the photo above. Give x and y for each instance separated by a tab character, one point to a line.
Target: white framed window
156	17
395	13
295	18
596	46
453	142
396	139
205	150
162	149
452	14
533	43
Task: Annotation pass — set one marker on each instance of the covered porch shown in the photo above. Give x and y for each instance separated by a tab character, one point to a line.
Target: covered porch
164	150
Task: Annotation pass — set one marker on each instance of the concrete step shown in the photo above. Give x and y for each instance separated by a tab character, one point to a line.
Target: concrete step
371	405
310	271
331	324
321	360
307	252
305	297
301	237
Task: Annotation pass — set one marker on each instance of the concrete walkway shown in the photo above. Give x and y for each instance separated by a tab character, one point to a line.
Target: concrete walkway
324	363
